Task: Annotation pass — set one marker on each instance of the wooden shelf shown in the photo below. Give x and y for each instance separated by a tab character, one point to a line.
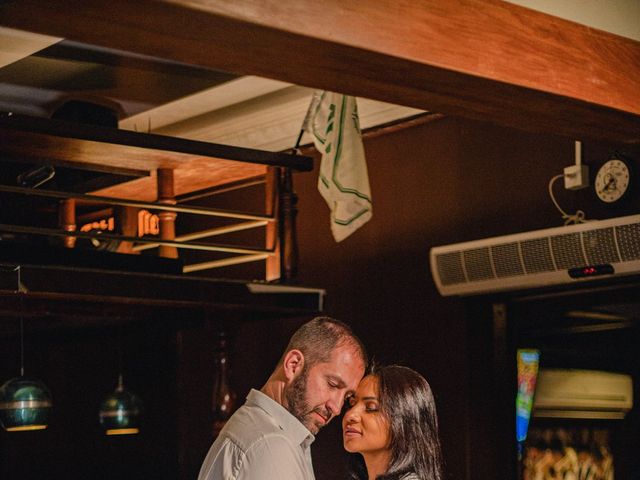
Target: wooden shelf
197	165
64	296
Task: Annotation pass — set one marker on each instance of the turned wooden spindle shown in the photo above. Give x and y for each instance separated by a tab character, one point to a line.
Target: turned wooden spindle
167	219
287	219
272	236
67	220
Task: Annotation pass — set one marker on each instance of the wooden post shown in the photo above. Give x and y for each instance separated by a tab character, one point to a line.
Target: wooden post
67	220
167	219
287	219
127	220
505	385
272	237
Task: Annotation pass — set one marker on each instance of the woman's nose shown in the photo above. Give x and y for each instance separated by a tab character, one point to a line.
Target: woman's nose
352	415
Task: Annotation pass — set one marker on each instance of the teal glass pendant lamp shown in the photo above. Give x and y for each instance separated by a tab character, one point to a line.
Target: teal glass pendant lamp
25	403
120	412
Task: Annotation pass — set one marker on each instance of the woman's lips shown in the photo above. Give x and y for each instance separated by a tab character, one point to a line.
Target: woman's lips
352	432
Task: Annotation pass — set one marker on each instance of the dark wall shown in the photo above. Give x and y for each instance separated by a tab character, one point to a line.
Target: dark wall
441	182
81	368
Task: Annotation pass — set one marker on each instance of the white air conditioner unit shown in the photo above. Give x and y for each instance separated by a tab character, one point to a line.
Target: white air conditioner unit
588	394
553	256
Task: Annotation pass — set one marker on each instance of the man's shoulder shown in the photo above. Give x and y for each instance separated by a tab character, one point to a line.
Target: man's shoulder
253	444
250	425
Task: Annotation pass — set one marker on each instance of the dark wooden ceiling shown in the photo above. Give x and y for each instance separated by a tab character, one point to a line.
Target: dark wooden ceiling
488	60
130	83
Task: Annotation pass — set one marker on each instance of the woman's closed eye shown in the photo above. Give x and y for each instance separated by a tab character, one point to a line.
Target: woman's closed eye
369	405
372	407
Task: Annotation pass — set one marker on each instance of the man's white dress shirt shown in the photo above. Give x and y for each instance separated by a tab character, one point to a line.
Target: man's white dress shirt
261	441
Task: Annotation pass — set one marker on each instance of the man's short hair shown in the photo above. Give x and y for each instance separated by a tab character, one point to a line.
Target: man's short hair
318	338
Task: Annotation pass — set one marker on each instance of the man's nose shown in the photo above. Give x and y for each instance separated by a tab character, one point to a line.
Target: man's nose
334	405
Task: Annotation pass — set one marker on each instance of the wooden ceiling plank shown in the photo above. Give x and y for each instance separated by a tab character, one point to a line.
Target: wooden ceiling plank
481	59
197	165
112	146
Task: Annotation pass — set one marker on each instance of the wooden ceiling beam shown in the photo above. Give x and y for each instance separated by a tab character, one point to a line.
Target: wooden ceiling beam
481	59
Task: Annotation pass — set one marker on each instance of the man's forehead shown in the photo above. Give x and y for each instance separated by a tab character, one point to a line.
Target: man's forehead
346	352
346	365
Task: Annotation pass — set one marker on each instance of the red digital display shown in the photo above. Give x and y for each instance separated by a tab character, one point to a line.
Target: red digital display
591	271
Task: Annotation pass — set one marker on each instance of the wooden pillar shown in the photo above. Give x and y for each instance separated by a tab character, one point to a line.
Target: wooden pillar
167	219
504	391
67	220
272	237
287	219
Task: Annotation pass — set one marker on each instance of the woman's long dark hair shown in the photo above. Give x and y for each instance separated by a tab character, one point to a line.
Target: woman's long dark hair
407	402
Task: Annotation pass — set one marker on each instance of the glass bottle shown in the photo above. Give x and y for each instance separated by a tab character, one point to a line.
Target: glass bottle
223	398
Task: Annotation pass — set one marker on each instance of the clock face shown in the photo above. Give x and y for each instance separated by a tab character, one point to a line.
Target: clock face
612	180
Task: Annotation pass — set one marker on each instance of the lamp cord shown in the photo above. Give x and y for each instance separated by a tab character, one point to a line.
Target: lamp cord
20	293
578	217
21	346
120	360
21	337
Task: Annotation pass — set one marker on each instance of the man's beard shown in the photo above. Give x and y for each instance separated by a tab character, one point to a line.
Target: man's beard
299	407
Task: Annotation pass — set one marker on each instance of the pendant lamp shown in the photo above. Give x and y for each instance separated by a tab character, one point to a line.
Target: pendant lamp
25	403
120	412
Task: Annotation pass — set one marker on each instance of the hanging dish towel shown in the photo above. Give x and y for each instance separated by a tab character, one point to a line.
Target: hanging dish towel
343	182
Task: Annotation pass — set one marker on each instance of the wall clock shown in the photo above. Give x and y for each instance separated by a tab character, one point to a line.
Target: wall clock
613	180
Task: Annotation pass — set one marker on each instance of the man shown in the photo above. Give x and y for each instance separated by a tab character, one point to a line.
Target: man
270	436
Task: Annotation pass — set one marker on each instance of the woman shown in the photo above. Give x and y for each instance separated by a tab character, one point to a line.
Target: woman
392	428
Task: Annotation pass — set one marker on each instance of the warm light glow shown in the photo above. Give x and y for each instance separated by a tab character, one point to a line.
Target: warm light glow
122	431
107	225
25	428
148	223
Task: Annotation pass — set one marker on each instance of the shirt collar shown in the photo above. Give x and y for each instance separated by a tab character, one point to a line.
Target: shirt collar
287	422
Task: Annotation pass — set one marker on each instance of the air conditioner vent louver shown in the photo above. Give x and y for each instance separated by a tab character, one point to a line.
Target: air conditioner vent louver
536	255
536	259
478	264
506	260
629	241
567	250
600	246
450	268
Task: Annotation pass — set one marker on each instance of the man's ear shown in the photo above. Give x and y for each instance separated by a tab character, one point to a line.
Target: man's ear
293	364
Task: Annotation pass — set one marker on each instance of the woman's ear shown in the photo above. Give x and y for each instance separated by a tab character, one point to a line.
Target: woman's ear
293	364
